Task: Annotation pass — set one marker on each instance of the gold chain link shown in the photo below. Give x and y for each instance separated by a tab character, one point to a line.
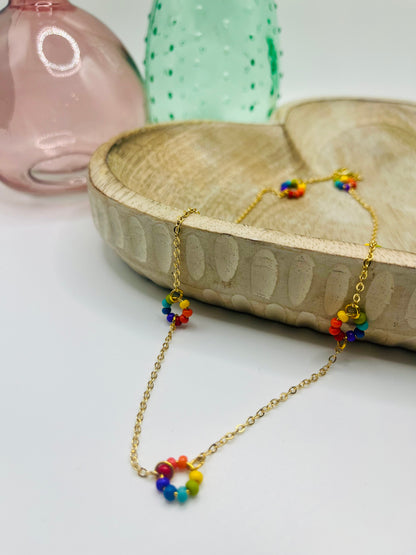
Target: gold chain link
257	200
279	194
199	460
318	179
372	245
177	249
141	471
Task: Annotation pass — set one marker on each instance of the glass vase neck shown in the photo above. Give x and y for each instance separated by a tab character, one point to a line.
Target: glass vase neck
36	4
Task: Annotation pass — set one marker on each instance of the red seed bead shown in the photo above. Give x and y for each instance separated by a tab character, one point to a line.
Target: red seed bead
340	336
334	331
336	323
187	312
165	469
177	321
183	319
173	462
182	462
291	194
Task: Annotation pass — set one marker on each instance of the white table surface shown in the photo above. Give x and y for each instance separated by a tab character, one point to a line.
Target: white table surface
331	472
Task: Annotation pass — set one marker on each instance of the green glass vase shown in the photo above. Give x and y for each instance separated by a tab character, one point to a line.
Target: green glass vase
212	59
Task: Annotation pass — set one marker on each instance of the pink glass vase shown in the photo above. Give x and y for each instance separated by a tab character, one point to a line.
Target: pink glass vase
67	84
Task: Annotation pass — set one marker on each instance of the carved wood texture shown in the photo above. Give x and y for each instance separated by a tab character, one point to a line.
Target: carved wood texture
292	261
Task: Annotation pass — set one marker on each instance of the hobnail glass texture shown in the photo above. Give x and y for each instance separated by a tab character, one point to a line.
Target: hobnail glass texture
212	59
67	85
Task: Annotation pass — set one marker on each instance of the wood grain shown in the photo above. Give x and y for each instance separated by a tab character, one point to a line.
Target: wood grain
292	261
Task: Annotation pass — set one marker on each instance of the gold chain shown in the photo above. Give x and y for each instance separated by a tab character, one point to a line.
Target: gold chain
177	294
257	200
279	194
198	461
141	471
177	250
372	245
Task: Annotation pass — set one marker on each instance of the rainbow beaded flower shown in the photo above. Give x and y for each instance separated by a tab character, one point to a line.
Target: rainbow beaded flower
294	188
345	180
351	314
165	471
178	319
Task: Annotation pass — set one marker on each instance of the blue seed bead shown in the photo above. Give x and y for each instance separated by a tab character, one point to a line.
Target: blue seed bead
165	303
182	494
350	336
359	334
161	483
285	185
338	184
166	310
363	326
169	492
170	317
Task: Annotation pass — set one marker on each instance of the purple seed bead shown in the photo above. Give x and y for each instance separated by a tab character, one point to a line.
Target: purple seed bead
346	187
161	483
170	317
350	336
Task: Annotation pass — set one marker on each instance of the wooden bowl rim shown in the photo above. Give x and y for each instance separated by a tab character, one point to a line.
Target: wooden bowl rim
118	192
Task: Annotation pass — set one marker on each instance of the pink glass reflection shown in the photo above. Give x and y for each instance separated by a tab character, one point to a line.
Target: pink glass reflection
67	84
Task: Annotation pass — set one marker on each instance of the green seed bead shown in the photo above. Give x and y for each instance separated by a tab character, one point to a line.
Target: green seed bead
361	318
192	486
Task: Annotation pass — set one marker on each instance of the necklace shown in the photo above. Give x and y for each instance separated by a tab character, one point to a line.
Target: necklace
352	316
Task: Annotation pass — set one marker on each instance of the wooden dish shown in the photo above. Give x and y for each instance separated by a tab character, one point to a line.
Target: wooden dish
292	261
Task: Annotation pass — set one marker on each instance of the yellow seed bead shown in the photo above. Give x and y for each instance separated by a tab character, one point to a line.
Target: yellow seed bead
184	304
343	178
196	476
301	186
342	316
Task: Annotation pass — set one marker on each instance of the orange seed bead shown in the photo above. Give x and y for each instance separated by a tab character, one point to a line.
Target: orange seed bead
182	462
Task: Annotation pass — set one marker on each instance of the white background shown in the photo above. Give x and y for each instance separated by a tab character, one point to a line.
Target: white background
331	472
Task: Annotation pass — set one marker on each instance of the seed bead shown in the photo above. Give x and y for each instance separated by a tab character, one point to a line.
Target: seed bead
169	492
342	316
193	487
182	462
182	496
196	476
